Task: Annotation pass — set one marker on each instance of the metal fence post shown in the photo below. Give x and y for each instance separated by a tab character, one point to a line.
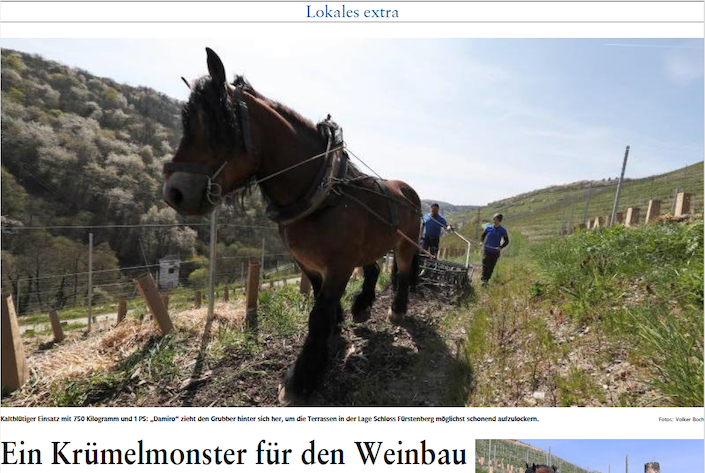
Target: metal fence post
211	266
262	262
619	189
90	281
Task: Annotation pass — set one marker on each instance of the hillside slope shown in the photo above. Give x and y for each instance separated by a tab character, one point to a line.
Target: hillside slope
85	151
542	213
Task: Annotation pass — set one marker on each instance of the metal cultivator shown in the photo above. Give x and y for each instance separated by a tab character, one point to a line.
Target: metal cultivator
448	276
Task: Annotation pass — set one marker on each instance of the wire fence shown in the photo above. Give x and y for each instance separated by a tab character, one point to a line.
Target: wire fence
510	456
42	280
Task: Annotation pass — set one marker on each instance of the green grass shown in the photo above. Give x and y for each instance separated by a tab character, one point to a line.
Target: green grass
155	362
644	287
638	291
283	310
181	298
575	387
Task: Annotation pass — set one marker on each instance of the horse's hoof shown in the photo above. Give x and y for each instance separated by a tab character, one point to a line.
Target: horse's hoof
395	318
287	398
363	316
286	395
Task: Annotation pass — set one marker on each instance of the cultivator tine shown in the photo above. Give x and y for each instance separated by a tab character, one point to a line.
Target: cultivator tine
447	277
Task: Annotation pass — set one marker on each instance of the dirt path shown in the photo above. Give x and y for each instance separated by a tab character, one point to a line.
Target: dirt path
377	364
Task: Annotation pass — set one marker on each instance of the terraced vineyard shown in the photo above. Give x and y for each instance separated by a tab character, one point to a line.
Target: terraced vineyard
510	456
541	214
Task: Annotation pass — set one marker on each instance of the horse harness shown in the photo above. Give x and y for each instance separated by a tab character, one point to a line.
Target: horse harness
334	168
329	184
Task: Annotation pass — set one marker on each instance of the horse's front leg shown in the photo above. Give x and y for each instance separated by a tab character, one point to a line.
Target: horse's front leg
316	283
307	373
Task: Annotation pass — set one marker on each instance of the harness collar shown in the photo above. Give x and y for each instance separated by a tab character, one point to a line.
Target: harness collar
334	168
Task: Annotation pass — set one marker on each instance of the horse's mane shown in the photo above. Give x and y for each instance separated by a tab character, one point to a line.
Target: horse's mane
292	116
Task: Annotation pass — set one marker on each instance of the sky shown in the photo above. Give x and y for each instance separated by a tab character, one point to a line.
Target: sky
467	121
674	456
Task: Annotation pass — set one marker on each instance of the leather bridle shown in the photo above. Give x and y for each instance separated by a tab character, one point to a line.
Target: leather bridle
214	191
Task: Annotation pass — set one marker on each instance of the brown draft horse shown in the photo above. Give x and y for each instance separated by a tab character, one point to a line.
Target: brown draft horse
534	468
329	243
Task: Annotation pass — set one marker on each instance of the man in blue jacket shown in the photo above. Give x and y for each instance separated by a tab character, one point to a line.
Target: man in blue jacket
495	237
433	223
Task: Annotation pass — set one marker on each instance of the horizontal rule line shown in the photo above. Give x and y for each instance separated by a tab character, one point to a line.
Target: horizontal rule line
354	1
350	22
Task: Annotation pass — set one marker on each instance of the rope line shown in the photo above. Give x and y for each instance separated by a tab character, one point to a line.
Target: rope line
140	225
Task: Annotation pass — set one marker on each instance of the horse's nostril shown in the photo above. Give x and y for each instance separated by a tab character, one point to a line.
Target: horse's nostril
175	196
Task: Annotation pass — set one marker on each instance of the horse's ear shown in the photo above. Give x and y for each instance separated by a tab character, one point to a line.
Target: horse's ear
215	67
527	465
188	84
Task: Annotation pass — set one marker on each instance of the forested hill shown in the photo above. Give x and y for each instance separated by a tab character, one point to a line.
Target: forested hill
84	150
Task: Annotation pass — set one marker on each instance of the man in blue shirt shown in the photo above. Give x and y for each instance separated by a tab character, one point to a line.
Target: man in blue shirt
495	237
433	223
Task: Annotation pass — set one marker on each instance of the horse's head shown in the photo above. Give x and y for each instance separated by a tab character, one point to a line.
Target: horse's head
214	156
534	468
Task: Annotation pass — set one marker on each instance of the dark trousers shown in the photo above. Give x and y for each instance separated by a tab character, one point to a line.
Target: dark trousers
430	245
489	261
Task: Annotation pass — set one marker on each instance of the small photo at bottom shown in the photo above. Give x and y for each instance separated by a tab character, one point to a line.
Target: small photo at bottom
589	456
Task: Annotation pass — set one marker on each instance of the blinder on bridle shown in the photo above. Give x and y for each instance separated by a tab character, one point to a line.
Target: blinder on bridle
214	191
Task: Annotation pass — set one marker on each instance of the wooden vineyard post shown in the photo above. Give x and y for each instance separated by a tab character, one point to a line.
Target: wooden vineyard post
122	311
632	217
197	299
305	286
15	371
682	204
653	211
596	224
252	293
148	289
271	283
56	326
618	218
165	299
226	294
